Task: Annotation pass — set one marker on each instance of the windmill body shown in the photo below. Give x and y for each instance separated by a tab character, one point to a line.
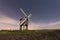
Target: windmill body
24	21
24	25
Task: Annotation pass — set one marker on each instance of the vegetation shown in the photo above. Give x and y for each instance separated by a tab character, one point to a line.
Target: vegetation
30	35
23	31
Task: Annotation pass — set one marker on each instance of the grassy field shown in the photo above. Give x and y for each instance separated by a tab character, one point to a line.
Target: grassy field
30	35
23	31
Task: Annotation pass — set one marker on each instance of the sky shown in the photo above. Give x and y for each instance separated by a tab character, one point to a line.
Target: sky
45	14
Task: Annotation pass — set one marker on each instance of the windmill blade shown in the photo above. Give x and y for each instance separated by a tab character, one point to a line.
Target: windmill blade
23	21
29	19
26	19
29	15
23	12
25	16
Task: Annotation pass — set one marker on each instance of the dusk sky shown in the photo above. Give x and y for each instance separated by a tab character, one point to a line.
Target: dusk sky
45	13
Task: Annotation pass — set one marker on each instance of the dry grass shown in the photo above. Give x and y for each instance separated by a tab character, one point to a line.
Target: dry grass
30	35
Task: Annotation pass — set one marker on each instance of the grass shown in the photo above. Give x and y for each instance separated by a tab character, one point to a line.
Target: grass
30	35
23	31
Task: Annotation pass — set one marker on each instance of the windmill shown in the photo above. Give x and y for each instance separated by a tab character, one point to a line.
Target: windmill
24	21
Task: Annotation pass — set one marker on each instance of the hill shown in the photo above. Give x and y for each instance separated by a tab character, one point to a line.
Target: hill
30	35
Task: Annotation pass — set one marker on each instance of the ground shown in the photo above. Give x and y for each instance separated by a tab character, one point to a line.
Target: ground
30	35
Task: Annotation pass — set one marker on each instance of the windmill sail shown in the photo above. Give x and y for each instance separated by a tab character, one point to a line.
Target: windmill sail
24	21
23	12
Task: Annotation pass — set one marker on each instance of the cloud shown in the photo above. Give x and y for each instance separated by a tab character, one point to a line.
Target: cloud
50	25
6	19
7	23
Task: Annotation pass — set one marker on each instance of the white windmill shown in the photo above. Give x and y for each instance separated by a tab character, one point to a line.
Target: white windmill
24	21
